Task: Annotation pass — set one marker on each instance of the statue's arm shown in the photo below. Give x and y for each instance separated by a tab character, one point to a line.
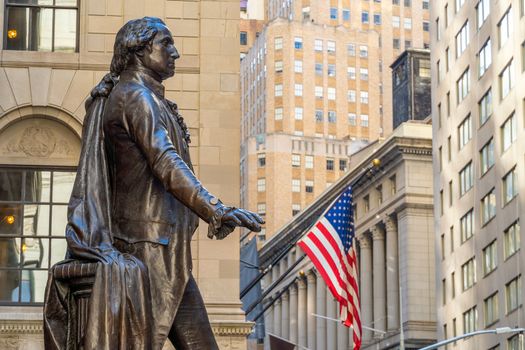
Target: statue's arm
150	133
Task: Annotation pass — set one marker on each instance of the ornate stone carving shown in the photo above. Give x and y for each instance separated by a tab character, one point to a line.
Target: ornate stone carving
390	224
364	241
38	142
377	233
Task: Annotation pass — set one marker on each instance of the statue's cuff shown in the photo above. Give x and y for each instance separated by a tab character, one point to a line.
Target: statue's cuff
215	227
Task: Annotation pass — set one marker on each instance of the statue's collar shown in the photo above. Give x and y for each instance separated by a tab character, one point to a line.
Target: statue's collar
144	77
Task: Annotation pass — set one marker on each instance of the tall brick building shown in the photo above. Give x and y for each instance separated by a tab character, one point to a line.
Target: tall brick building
51	56
315	87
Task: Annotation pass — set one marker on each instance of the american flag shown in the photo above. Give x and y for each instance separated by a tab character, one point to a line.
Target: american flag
331	247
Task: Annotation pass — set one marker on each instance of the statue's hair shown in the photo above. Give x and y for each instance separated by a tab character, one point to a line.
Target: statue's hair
133	36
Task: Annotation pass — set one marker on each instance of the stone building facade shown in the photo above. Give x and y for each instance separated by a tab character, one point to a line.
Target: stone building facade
317	76
478	97
46	74
394	230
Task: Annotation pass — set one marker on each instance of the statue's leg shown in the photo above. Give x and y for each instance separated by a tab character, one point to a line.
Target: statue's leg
191	329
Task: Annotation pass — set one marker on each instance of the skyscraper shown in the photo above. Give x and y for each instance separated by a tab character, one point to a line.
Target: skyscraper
478	95
315	87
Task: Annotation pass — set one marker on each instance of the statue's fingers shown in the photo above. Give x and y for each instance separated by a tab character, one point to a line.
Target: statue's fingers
233	217
248	221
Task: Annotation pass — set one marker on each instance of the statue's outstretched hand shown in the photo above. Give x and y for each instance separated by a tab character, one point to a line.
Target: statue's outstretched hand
233	217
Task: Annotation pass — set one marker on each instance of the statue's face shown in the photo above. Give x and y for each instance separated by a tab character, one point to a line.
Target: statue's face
162	55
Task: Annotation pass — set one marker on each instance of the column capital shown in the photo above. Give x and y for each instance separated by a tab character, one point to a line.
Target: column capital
364	241
377	233
293	289
390	224
302	283
277	300
285	295
311	276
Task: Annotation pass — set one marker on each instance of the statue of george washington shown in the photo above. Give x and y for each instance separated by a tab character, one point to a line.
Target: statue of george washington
134	208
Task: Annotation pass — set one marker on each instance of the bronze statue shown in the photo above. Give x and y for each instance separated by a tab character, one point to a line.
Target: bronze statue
134	208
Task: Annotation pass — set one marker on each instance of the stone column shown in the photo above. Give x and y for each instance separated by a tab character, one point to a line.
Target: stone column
293	313
320	310
285	313
392	275
310	309
365	286
277	317
268	316
301	313
342	334
378	237
331	326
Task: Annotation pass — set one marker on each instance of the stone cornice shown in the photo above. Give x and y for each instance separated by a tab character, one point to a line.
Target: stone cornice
229	328
21	327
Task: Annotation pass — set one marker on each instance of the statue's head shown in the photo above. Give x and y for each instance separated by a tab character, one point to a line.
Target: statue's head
145	42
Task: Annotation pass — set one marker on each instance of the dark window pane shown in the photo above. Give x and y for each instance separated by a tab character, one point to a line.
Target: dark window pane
10	185
32	286
35	252
9	281
36	220
58	250
59	220
38	186
30	2
10	219
62	186
29	29
65	30
9	252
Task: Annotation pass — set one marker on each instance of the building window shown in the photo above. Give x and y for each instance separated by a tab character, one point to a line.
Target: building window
407	3
515	343
278	90
443	283
331	93
393	185
364	17
351	96
483	11
463	85
278	114
351	73
261	209
508	133
408	44
244	38
511	243
278	43
296	208
407	23
396	44
318	45
298	113
261	236
485	58
491	309
459	4
470	320
464	132
377	19
33	218
396	22
296	160
309	162
453	290
485	107
309	186
438	30
487	156
506	80
346	15
395	2
296	185
298	90
366	203
513	294
352	119
298	43
510	186
468	272
278	66
331	70
466	226
261	185
490	258
318	115
466	179
330	47
364	97
363	51
329	164
426	26
350	49
462	39
41	27
261	160
505	27
333	12
332	117
364	120
298	66
319	91
342	164
426	4
319	69
363	73
488	207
